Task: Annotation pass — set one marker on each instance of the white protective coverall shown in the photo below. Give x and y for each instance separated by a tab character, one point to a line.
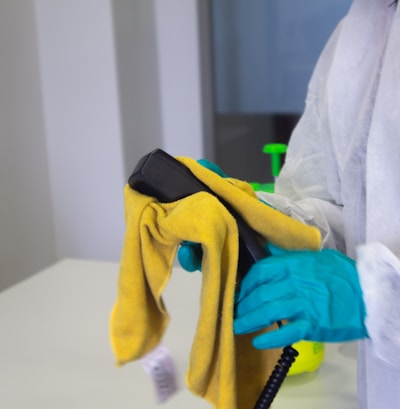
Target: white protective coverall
342	173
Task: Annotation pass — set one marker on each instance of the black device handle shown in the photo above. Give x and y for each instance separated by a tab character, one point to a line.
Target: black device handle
160	175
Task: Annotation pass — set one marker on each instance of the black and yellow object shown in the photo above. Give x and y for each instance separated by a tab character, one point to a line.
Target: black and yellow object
224	369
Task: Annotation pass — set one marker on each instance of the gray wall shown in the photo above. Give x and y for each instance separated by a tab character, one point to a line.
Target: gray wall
139	85
87	88
27	239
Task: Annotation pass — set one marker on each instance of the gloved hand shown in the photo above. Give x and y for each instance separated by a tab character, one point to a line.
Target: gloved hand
318	293
190	254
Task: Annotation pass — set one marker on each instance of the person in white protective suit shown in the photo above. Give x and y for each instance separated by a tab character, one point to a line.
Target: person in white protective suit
342	174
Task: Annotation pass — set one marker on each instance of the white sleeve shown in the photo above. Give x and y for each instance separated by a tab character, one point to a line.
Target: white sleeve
308	187
312	211
379	272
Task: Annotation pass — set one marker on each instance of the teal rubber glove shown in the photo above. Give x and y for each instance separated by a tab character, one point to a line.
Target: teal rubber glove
318	293
190	254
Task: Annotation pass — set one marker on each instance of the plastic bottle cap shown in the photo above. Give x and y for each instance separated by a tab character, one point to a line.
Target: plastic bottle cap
275	150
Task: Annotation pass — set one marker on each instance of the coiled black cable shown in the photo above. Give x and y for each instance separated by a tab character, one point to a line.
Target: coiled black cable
276	378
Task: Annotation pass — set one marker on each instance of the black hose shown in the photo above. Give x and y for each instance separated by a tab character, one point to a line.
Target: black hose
276	378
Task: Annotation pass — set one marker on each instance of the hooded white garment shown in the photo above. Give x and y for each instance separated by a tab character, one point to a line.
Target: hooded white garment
342	173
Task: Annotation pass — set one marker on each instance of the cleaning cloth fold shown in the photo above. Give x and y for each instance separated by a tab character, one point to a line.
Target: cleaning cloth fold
223	368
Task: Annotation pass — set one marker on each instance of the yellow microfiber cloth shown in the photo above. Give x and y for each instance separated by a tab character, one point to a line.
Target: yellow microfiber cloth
223	368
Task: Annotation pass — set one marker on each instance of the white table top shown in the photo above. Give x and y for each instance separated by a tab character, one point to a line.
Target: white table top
55	353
